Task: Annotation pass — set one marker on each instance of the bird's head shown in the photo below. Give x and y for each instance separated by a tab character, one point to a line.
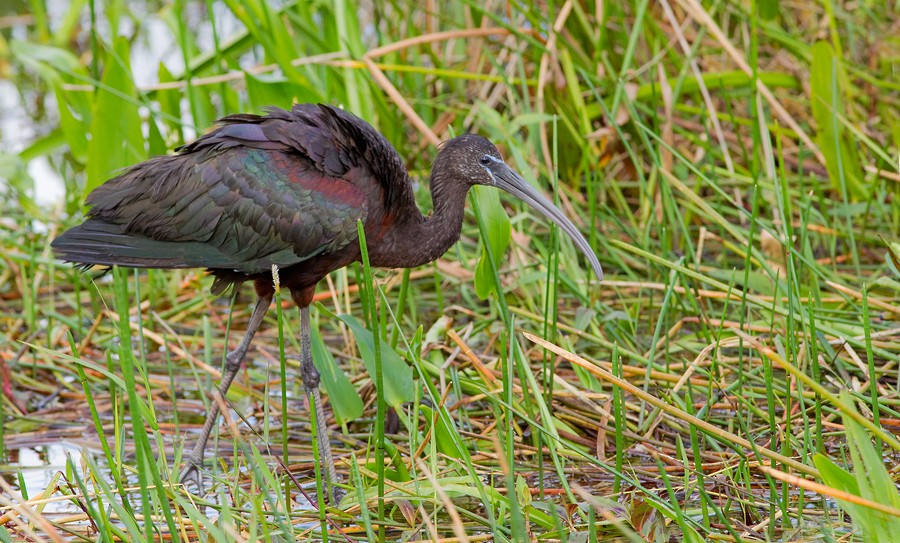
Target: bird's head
474	160
464	158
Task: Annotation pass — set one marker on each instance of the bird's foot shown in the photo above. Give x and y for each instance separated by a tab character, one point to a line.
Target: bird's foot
192	478
331	494
337	494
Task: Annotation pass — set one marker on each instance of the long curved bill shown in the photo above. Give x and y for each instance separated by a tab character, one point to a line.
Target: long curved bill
507	179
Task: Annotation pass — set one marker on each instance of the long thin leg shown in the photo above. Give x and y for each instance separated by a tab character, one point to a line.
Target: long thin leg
310	376
233	362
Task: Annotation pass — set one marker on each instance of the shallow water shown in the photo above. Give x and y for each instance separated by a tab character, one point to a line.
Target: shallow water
40	469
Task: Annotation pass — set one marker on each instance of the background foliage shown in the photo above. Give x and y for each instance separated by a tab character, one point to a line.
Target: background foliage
734	164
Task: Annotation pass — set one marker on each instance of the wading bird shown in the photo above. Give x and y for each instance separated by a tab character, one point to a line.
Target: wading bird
286	189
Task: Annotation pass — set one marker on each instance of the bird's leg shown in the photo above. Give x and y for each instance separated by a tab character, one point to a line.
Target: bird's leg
233	362
310	376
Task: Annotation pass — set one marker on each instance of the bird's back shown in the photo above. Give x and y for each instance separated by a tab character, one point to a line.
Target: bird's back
258	190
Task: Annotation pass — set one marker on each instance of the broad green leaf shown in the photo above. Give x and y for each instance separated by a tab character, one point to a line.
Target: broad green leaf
523	491
689	534
38	56
345	401
267	90
490	117
443	434
870	480
156	143
274	90
170	103
43	145
399	473
545	514
397	462
202	107
528	119
74	117
827	82
455	486
399	387
497	233
57	67
834	475
116	139
874	481
768	9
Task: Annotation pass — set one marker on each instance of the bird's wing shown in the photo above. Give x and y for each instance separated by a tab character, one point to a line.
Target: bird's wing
235	201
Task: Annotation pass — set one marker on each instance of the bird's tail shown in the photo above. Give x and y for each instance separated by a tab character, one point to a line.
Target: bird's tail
97	242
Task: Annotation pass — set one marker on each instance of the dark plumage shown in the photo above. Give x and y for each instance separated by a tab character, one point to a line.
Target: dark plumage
286	189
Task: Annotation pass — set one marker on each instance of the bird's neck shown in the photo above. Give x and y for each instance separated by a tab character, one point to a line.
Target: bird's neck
417	240
444	224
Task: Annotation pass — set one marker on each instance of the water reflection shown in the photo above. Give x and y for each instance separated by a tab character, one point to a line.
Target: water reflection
36	469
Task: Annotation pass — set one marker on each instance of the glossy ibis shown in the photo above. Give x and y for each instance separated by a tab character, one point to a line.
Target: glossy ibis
286	189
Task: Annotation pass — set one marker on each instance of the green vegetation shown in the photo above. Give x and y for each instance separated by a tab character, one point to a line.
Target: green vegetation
734	378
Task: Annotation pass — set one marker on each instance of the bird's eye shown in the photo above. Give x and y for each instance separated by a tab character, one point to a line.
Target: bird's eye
485	160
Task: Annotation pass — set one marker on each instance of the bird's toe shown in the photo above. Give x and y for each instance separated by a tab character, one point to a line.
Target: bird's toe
192	479
338	493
